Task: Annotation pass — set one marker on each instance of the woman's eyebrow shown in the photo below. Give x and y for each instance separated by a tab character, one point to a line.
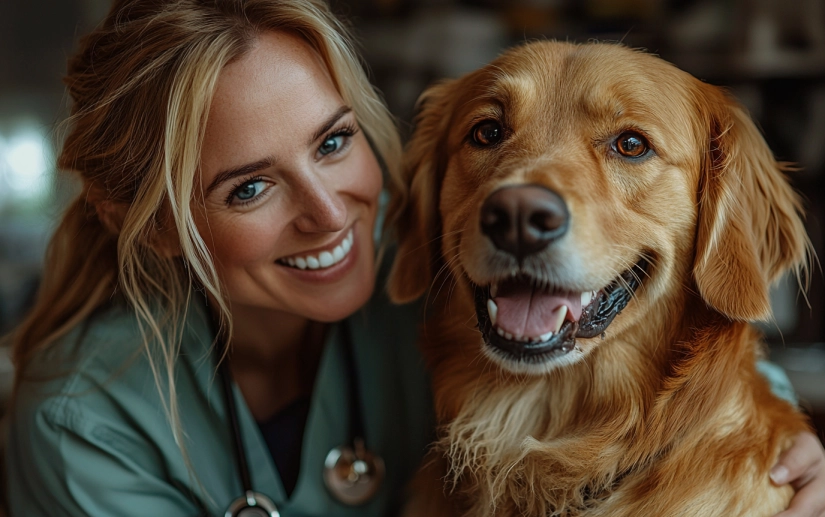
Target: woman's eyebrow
335	117
249	168
228	174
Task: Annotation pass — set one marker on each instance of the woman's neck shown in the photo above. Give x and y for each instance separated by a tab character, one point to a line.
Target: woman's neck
273	357
263	337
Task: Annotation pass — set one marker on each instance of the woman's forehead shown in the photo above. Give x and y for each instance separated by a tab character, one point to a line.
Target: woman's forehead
269	100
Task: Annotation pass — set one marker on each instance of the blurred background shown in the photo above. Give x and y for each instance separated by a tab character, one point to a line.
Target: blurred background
770	53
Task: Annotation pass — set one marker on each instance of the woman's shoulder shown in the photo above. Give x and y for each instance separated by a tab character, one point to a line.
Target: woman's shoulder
96	368
102	343
91	398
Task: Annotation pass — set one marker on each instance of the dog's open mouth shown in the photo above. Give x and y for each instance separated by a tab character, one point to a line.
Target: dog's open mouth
533	323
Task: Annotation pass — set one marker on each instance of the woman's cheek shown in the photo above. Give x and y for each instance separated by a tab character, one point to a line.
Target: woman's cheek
247	239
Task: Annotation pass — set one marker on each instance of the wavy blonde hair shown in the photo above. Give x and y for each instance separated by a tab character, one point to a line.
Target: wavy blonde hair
141	86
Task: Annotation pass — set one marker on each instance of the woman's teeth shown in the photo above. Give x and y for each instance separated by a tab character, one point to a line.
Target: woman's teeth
324	259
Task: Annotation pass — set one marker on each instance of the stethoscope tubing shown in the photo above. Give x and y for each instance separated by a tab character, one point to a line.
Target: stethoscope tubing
234	424
251	499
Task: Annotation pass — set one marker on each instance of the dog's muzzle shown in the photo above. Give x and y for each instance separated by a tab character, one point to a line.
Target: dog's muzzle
521	317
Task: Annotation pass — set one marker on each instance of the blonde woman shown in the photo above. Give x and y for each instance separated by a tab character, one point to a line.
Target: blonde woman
208	339
230	157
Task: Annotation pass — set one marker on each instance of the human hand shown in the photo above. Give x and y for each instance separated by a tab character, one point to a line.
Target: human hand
803	466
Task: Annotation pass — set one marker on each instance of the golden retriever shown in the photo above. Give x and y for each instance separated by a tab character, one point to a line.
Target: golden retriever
594	230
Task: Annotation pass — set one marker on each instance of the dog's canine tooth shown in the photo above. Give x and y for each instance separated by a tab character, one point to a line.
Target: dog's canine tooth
559	314
492	310
587	297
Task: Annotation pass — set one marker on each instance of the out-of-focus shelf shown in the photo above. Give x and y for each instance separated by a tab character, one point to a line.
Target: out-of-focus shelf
729	68
6	377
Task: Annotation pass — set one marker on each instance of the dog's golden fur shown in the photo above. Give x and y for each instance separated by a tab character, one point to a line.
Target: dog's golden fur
663	414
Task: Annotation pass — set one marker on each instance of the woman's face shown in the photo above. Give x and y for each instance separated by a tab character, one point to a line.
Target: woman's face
290	185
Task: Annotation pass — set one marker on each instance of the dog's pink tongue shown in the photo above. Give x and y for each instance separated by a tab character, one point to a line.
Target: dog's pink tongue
525	311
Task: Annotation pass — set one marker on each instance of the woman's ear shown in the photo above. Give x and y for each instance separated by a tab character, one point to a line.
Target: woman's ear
749	228
414	209
111	213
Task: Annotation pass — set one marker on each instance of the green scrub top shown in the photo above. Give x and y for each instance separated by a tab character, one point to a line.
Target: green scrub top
90	436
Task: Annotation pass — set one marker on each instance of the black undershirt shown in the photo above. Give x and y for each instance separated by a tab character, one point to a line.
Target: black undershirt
284	434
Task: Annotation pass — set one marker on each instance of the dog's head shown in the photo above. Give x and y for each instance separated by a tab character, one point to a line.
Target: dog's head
563	184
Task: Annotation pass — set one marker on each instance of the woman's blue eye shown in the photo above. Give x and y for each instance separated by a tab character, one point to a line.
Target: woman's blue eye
249	190
331	144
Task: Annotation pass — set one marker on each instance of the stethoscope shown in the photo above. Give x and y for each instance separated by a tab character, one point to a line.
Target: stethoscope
352	474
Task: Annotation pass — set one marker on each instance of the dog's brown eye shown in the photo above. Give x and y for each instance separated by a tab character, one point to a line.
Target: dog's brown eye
487	133
631	145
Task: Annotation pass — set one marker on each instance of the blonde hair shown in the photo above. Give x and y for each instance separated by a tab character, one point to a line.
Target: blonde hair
141	86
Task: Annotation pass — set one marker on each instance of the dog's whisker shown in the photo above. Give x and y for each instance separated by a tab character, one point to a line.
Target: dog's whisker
445	270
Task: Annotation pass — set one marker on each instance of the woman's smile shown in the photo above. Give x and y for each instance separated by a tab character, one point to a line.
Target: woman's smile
324	258
324	265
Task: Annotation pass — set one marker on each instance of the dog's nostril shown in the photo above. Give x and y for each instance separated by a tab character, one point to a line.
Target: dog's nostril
546	220
525	219
495	219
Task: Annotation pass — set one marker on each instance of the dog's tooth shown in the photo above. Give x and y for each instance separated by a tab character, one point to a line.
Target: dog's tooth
492	310
546	337
509	336
493	290
557	318
500	332
587	297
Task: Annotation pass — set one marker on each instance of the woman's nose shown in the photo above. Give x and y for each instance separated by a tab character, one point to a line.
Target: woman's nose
320	206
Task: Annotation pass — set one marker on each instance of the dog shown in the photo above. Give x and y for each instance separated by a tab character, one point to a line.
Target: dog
594	231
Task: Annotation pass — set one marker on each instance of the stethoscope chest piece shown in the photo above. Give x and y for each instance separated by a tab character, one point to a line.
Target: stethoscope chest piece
252	504
353	476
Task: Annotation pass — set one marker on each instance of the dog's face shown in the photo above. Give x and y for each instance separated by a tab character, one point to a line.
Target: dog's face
565	184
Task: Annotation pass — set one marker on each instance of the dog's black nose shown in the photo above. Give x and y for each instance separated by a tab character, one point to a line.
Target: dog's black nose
524	219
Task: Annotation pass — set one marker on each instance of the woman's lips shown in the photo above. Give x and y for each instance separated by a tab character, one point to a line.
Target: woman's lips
323	259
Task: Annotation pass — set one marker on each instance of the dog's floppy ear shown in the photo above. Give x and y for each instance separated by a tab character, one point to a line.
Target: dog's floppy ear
749	227
413	209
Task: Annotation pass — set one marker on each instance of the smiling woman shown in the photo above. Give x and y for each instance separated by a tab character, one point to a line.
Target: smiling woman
230	154
288	175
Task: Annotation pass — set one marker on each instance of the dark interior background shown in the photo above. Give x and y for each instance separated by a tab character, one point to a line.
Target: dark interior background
770	53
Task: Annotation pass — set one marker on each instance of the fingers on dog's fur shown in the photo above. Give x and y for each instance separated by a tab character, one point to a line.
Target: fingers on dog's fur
749	229
415	208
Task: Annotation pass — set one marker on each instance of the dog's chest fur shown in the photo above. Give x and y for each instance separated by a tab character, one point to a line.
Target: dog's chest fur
595	439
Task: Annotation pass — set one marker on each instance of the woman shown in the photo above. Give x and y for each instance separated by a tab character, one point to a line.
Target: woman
229	190
229	153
